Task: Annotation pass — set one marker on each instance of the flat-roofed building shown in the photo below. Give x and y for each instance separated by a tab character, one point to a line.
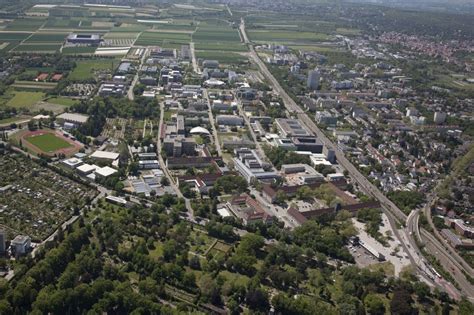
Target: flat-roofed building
91	39
86	169
179	146
310	144
72	162
229	120
292	128
77	119
20	245
148	164
104	155
104	172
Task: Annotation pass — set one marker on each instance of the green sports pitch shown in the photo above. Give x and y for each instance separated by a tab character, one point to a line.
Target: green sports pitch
48	142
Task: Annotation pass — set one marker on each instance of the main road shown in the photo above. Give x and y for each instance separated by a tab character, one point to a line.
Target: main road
390	209
165	170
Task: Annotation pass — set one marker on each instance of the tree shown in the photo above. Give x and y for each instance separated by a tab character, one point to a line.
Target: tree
257	299
422	290
280	197
304	193
401	303
374	305
165	181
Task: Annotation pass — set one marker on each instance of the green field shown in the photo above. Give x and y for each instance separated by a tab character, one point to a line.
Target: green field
25	24
78	50
9	37
25	99
85	68
228	46
61	23
37	48
62	101
222	57
157	38
47	38
48	142
216	35
286	36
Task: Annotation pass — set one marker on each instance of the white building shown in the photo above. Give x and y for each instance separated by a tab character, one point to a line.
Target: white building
21	244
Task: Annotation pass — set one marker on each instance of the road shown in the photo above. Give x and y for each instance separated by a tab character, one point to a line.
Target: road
260	151
130	94
193	58
165	170
213	123
390	209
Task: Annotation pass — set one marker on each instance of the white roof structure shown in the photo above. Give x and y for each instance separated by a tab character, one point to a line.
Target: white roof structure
77	118
72	162
223	212
199	130
104	155
87	168
105	171
214	82
38	117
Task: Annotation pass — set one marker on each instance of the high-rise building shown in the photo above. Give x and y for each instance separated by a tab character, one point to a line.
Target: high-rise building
313	79
439	117
3	237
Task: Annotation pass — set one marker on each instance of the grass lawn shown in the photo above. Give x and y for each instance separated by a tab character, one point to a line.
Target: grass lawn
386	266
286	36
222	57
25	99
11	120
85	68
48	142
78	50
158	251
62	101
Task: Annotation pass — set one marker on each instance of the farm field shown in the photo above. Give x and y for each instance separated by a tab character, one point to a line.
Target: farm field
51	48
314	48
286	36
78	50
48	142
222	57
227	46
25	99
158	38
10	37
47	38
85	68
25	24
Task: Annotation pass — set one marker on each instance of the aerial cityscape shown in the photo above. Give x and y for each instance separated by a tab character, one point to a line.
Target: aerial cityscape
237	157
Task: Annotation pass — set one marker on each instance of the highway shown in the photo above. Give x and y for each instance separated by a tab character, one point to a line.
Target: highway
390	209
